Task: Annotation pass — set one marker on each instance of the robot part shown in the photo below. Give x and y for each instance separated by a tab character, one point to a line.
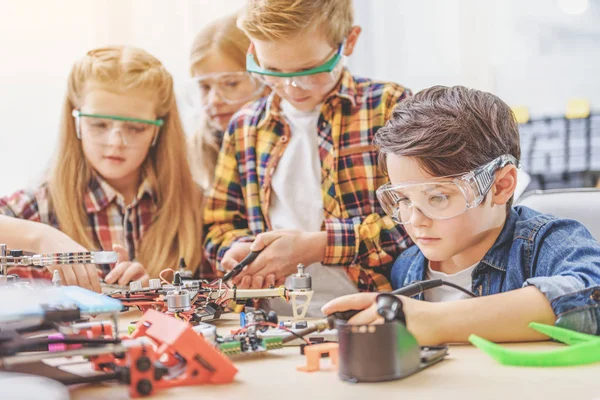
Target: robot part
16	258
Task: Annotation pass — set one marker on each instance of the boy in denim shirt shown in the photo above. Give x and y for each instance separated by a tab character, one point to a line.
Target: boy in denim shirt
451	155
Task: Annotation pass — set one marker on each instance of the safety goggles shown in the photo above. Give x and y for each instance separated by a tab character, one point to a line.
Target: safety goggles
441	198
309	79
133	132
230	87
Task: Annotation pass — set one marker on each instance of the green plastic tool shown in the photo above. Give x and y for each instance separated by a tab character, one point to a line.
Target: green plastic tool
582	349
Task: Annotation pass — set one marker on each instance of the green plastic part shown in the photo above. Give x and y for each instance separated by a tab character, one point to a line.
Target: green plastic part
230	348
583	349
130	329
273	343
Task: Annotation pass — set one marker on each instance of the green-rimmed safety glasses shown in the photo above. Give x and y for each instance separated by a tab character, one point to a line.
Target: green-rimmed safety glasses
230	87
308	79
441	198
134	132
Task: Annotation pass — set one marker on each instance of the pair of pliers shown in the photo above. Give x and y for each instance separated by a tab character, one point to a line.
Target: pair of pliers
582	349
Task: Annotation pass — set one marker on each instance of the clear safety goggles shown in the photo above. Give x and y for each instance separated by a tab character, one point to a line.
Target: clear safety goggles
133	132
310	79
230	87
441	198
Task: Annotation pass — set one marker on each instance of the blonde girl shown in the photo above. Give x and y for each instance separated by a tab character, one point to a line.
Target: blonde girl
120	178
220	86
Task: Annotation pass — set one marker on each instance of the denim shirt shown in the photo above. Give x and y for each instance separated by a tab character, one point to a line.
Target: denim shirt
558	256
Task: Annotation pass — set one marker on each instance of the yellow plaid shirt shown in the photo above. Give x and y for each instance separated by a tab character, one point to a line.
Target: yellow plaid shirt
360	237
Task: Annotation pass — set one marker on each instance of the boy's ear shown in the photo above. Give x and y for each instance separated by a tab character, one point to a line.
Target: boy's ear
506	183
351	40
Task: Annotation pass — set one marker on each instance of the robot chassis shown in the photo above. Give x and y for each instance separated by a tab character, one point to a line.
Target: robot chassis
197	300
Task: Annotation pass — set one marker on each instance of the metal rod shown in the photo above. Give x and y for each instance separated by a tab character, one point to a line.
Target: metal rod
7	362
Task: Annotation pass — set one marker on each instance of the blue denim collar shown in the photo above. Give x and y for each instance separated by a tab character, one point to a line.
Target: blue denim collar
496	257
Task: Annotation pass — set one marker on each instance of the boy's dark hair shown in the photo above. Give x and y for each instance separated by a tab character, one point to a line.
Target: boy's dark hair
450	130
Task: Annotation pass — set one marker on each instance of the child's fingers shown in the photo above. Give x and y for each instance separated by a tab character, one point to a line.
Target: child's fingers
269	280
280	281
264	239
68	275
116	272
121	252
366	317
257	282
261	266
93	277
134	272
358	301
234	255
227	263
245	282
83	279
145	280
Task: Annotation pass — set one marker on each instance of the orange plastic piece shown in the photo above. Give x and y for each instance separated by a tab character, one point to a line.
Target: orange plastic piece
171	341
205	364
313	354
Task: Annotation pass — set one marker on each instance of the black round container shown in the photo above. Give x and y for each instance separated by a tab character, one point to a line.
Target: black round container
376	353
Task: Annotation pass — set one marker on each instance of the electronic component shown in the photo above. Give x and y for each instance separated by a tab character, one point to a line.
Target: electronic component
17	258
162	353
382	352
198	300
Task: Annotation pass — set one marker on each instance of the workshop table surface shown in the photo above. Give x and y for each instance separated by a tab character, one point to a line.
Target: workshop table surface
466	373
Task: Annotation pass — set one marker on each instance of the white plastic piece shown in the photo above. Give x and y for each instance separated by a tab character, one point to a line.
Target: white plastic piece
299	310
104	257
154	283
56	280
135	285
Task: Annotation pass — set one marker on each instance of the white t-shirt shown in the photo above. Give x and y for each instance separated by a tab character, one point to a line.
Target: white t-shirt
463	279
297	203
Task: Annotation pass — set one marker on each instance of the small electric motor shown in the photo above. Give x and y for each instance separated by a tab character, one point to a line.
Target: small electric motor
301	280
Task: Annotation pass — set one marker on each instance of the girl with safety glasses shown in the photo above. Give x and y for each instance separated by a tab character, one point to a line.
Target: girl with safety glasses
120	179
219	87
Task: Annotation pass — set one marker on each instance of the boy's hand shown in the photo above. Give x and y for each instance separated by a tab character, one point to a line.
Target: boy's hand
126	271
420	319
52	241
358	301
233	257
282	251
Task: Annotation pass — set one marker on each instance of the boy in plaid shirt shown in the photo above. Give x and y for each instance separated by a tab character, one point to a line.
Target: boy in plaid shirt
297	173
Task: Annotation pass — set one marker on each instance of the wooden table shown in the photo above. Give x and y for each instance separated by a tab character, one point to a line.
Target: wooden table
467	373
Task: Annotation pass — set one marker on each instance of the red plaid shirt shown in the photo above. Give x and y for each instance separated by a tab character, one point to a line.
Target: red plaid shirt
111	221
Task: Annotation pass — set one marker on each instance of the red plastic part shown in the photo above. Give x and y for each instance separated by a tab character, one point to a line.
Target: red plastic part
205	364
170	340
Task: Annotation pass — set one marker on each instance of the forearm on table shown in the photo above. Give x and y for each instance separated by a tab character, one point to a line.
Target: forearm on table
502	317
21	234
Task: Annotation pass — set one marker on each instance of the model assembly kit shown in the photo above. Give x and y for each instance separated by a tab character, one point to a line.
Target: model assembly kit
172	344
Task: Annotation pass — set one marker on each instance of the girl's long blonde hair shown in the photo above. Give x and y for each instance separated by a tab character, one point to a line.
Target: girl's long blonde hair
224	36
176	230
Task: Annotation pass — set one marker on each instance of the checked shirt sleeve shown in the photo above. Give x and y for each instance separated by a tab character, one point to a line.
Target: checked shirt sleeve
225	212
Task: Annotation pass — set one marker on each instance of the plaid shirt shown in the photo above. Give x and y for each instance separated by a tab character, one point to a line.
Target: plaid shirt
110	219
360	237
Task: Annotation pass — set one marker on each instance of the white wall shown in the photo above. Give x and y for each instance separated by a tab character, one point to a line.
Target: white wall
39	41
528	52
